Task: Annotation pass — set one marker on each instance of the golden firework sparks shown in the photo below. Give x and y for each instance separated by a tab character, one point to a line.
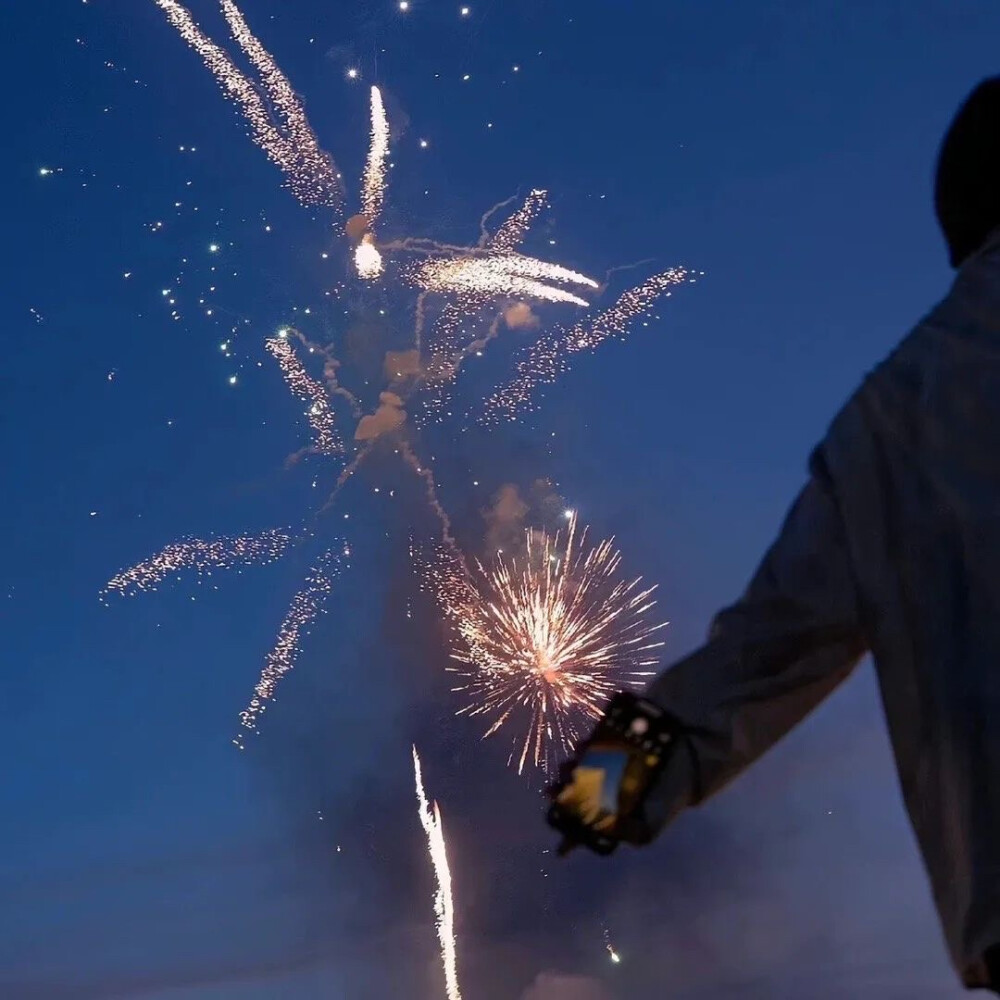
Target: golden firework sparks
511	234
547	358
291	145
308	390
444	907
543	638
305	606
201	555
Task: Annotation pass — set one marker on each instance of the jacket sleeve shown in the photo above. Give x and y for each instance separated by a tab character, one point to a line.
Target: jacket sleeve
769	659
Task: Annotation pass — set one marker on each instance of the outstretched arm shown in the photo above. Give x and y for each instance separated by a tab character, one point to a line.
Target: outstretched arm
770	659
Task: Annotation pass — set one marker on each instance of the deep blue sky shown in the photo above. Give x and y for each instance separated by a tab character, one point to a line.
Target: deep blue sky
785	147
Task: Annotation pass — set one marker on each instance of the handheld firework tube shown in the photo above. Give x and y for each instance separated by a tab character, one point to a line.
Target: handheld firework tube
598	799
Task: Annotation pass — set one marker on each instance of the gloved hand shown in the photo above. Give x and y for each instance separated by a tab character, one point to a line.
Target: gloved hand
598	800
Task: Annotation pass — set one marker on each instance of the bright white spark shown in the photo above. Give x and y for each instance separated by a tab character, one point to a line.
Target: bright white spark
373	190
495	275
367	259
444	907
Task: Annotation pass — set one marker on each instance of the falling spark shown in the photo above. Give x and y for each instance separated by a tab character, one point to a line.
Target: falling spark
609	947
496	275
202	556
291	145
373	189
367	258
310	391
542	639
305	606
444	907
547	358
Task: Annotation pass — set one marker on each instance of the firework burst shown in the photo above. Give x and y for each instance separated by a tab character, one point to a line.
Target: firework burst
543	638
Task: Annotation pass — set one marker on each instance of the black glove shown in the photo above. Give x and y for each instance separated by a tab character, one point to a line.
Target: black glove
598	800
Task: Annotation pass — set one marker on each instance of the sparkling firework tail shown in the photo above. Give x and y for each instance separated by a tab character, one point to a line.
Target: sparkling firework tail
444	907
498	276
305	606
309	391
201	555
293	148
547	358
373	190
512	233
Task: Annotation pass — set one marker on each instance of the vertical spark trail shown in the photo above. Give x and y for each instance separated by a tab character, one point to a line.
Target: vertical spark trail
202	556
444	907
373	190
310	391
310	172
548	357
511	234
305	606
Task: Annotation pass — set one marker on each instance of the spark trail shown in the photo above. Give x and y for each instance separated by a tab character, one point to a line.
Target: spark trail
545	637
444	907
547	358
511	234
502	275
202	556
310	391
373	189
292	146
305	606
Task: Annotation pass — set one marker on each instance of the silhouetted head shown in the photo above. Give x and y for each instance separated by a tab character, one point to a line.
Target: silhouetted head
967	186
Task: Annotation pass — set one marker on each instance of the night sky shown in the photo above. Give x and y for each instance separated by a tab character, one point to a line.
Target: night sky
783	147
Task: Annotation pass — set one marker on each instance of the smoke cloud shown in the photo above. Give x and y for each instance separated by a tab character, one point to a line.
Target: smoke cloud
389	416
521	317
